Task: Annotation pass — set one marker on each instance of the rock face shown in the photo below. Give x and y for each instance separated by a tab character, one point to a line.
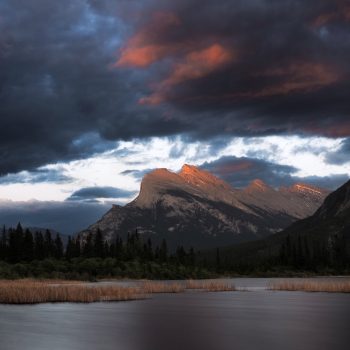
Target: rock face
195	208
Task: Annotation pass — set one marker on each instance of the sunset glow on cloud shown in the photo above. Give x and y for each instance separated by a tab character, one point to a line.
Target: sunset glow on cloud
194	65
143	49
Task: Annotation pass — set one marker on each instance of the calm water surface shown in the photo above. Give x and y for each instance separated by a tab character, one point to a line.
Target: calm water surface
253	319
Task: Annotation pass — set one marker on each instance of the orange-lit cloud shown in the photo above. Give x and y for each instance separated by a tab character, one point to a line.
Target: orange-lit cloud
199	63
195	65
295	78
304	77
145	48
341	13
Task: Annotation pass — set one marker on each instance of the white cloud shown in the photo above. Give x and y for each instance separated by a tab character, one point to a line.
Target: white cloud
105	169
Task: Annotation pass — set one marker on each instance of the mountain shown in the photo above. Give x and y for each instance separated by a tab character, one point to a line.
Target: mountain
195	208
321	239
331	220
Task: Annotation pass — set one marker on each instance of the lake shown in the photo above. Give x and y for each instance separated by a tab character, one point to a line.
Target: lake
250	319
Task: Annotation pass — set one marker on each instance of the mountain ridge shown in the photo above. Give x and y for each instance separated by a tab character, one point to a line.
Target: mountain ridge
326	231
194	207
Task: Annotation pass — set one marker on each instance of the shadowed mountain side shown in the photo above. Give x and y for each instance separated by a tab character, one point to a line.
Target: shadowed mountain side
327	231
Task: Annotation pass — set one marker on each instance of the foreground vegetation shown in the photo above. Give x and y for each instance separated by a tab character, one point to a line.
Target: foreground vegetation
312	286
36	291
211	286
33	292
24	255
91	269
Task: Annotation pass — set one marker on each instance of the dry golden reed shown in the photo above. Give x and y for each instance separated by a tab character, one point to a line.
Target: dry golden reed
29	291
330	286
33	292
210	286
162	287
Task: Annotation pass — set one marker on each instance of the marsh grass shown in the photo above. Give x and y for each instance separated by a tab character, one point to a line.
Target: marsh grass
150	287
30	291
330	286
210	286
33	292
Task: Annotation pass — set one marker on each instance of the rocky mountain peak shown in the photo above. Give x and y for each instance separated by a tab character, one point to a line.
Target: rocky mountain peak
189	169
154	184
301	187
258	185
307	190
201	178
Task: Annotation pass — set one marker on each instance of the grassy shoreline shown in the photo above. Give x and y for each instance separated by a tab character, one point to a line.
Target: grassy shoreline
308	285
34	291
31	291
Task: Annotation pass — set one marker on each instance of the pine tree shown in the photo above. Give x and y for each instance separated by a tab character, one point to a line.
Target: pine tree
3	245
119	248
218	260
39	246
307	253
180	255
163	252
49	245
28	246
88	247
99	245
16	244
192	257
69	254
289	251
78	249
58	247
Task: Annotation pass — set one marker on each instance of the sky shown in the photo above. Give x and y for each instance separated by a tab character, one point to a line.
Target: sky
96	93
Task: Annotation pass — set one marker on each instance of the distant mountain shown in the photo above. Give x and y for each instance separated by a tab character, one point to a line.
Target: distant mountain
195	208
323	238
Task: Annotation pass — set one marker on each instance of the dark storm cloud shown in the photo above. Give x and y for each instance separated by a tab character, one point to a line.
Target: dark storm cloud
239	172
64	217
342	155
76	76
56	83
92	193
248	68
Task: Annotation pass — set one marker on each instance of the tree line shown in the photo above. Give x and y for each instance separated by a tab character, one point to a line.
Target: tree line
18	244
21	245
304	252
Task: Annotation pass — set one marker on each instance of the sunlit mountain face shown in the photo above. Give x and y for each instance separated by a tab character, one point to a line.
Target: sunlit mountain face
195	208
97	94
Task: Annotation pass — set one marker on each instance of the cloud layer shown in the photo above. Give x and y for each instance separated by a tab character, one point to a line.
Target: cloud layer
241	171
92	194
64	217
118	70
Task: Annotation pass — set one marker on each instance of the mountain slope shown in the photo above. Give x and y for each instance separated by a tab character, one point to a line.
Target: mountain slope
193	207
327	230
